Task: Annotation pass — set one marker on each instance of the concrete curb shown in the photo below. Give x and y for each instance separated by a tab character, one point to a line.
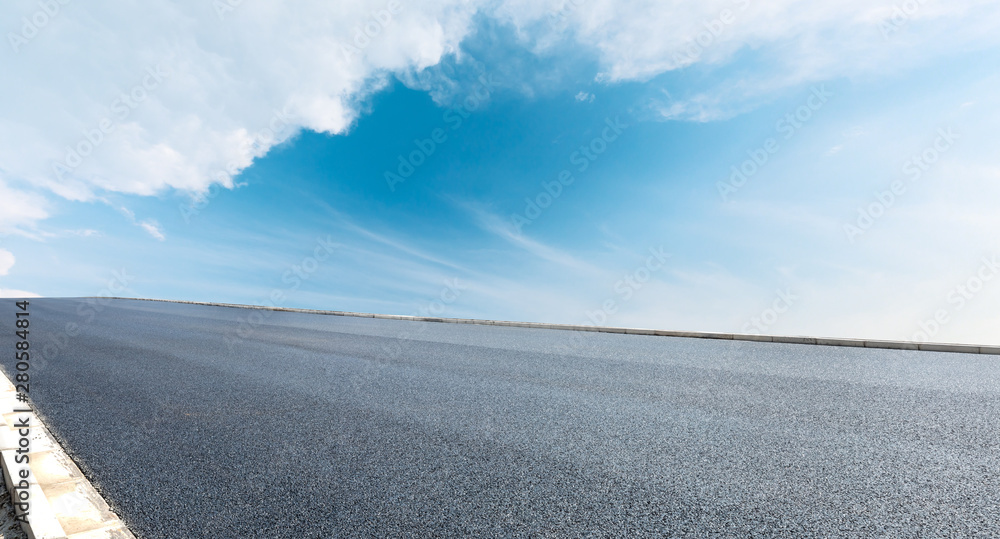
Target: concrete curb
62	502
820	341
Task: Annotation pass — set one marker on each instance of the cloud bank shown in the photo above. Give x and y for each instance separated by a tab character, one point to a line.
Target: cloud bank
174	96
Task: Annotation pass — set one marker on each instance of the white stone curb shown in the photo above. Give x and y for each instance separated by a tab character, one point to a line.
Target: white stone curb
821	341
62	502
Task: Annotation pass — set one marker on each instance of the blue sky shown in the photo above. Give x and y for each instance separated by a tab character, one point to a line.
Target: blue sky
865	205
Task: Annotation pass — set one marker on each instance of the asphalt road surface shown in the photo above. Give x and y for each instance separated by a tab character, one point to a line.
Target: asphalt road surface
193	423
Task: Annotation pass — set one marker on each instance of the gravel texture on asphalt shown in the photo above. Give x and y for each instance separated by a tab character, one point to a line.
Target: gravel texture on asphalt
198	421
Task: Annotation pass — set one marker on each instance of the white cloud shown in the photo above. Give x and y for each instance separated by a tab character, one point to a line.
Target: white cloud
20	209
14	293
129	214
153	228
505	230
184	98
790	42
6	261
175	95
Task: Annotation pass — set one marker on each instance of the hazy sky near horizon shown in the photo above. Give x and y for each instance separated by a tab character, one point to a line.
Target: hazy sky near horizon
785	167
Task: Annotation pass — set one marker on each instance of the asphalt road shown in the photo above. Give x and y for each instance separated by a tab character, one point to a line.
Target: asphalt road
194	424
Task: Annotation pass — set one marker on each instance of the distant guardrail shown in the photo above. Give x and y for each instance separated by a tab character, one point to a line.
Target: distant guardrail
820	341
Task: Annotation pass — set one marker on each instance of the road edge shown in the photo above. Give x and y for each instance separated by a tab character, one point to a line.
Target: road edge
63	503
788	339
